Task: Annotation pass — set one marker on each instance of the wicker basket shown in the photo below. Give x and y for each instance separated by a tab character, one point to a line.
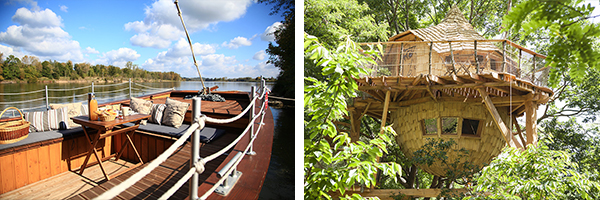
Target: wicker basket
13	131
106	118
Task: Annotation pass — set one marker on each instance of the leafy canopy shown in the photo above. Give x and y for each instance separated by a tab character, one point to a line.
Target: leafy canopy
332	163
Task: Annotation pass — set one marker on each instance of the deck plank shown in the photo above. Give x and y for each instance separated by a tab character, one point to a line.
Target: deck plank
67	184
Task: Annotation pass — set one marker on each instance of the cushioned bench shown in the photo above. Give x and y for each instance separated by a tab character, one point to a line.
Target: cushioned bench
206	135
42	136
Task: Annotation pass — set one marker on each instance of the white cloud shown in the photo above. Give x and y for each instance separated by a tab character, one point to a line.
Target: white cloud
33	3
260	55
182	48
163	23
39	33
118	57
7	51
44	18
237	42
91	50
268	35
64	8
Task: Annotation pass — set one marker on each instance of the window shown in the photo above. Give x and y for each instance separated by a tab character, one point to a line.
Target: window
470	127
450	125
430	126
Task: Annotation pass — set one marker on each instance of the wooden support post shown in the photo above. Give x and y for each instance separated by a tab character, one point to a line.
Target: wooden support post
401	59
530	122
430	49
504	56
496	116
354	126
520	53
386	105
533	70
476	61
519	130
452	56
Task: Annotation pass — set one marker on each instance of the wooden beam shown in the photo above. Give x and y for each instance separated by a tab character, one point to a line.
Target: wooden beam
386	104
516	123
365	111
530	122
452	55
496	116
476	61
429	89
354	133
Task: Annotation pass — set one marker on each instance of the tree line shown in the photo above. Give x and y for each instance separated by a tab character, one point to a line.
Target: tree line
32	70
240	79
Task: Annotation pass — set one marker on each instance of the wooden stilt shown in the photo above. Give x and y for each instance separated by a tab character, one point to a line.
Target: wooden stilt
530	122
354	123
386	104
519	131
496	116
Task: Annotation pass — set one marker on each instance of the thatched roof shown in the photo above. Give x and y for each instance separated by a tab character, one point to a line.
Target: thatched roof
454	27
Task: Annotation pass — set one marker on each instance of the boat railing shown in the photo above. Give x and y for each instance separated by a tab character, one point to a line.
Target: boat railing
196	162
46	96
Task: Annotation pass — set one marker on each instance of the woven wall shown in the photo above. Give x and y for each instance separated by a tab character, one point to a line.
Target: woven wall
407	124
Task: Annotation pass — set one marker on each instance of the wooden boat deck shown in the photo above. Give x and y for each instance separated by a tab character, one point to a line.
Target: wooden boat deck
69	183
254	169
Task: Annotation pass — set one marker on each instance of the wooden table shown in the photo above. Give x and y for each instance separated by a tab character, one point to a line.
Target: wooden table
105	129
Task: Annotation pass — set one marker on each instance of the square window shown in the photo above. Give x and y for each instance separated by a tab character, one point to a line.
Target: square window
430	126
450	125
470	127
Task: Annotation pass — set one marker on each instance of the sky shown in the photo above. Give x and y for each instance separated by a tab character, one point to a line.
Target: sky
229	36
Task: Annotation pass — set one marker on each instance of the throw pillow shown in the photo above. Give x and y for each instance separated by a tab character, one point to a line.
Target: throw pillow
55	117
74	111
174	113
141	106
39	120
157	113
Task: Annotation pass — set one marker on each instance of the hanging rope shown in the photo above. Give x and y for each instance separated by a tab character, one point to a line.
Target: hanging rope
204	89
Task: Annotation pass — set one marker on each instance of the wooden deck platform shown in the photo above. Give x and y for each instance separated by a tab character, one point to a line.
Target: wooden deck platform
254	169
68	184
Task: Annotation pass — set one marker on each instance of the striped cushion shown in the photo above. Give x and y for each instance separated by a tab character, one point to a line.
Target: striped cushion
39	120
157	113
74	111
57	116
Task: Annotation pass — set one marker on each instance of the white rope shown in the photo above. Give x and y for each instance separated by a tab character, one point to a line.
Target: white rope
113	192
178	185
111	91
111	84
109	98
225	149
147	86
20	93
226	121
214	187
70	89
25	101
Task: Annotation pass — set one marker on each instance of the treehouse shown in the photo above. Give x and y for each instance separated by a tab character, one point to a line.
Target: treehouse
449	82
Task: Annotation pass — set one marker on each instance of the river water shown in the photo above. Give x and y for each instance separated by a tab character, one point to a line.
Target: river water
279	182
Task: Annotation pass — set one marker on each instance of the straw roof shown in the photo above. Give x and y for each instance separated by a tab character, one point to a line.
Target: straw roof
452	28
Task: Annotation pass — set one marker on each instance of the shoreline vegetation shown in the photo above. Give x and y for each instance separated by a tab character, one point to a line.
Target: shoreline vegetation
30	69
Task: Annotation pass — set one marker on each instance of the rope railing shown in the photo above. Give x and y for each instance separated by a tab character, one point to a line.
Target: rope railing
111	84
146	86
111	91
21	93
25	101
69	89
197	124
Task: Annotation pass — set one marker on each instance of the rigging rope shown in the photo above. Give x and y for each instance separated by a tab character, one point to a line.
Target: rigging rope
110	91
3	103
204	90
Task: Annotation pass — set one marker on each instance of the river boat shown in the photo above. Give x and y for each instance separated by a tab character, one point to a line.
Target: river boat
46	165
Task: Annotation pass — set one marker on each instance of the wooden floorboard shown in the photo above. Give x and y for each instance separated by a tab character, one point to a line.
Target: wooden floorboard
67	184
254	169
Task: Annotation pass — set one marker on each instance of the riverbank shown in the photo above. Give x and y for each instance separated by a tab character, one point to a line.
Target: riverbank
87	80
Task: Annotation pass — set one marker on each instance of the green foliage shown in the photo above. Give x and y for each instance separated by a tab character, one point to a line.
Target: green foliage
335	164
535	173
330	20
569	35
